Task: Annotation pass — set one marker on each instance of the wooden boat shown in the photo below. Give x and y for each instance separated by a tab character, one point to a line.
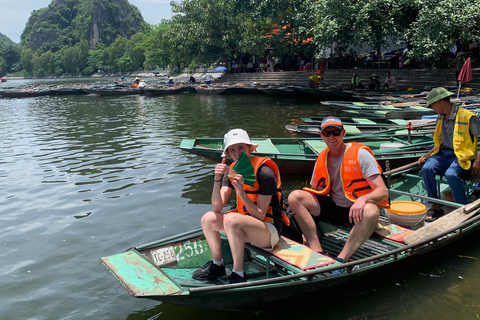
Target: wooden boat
374	106
352	130
372	122
297	156
163	91
204	89
25	93
161	270
113	91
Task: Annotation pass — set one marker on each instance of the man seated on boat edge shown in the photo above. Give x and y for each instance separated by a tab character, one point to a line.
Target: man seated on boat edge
454	152
353	200
257	218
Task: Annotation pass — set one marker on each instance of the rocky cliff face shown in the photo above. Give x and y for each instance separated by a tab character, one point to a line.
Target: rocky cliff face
66	22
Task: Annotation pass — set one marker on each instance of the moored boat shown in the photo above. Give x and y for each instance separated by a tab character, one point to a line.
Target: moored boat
204	89
352	129
297	156
163	91
113	91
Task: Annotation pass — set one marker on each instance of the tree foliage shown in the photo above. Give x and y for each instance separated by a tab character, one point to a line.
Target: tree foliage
84	36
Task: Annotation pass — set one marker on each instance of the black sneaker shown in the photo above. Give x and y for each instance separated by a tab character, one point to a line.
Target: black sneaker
209	271
235	278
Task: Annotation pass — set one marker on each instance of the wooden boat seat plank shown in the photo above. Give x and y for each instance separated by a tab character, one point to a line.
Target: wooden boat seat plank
139	276
316	145
266	146
363	121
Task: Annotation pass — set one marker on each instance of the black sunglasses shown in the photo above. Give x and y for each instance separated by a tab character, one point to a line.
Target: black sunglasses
334	133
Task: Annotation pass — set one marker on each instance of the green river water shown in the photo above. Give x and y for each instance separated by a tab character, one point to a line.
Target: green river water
83	177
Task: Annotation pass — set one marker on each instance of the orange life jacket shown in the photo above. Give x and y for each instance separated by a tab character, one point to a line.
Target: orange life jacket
354	184
253	192
135	85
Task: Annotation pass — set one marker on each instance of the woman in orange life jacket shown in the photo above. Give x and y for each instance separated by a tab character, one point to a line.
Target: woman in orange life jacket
257	218
346	187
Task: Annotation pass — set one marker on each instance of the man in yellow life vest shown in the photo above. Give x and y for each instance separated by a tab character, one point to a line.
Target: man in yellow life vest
257	218
455	150
346	188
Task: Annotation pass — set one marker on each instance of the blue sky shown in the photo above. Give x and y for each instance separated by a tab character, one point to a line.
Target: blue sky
14	14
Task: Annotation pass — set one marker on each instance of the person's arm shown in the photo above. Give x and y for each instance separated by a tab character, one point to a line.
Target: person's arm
425	157
378	194
475	130
258	210
220	193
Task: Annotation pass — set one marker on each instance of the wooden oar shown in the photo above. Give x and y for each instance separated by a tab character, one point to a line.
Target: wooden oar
407	166
444	223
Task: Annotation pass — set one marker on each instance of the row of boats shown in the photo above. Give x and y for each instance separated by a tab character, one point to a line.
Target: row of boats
161	270
161	89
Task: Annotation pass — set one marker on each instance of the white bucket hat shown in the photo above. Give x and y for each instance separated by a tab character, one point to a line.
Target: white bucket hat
235	136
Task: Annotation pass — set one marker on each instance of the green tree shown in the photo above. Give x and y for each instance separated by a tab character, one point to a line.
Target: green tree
46	62
135	50
156	46
441	24
11	55
94	61
124	63
27	60
114	52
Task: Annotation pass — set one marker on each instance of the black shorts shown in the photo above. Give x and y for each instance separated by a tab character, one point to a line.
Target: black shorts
330	212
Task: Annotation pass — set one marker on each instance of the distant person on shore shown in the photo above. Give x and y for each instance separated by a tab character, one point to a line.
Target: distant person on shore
314	81
390	82
250	66
356	83
270	62
192	79
170	81
136	82
208	78
234	67
257	216
455	150
374	83
142	85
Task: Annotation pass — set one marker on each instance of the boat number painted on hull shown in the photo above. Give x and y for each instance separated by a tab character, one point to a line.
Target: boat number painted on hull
163	256
189	249
179	252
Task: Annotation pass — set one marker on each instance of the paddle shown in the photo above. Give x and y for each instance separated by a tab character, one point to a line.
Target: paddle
444	223
407	166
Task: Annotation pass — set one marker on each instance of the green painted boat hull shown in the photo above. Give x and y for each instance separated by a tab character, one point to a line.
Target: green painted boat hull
297	156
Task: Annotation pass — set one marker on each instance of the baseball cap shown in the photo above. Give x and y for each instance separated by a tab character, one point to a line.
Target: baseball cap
235	136
331	121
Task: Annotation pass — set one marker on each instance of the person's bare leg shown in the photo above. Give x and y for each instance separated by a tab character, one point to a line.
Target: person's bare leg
241	228
212	224
361	231
305	204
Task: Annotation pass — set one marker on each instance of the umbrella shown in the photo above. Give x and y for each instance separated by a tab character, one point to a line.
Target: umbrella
465	74
219	69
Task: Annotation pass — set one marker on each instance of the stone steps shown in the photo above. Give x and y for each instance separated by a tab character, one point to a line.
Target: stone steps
406	78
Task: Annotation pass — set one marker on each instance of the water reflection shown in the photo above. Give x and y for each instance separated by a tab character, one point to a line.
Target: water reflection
87	176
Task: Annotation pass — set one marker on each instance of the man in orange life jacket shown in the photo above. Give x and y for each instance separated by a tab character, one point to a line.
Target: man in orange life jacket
346	188
257	218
